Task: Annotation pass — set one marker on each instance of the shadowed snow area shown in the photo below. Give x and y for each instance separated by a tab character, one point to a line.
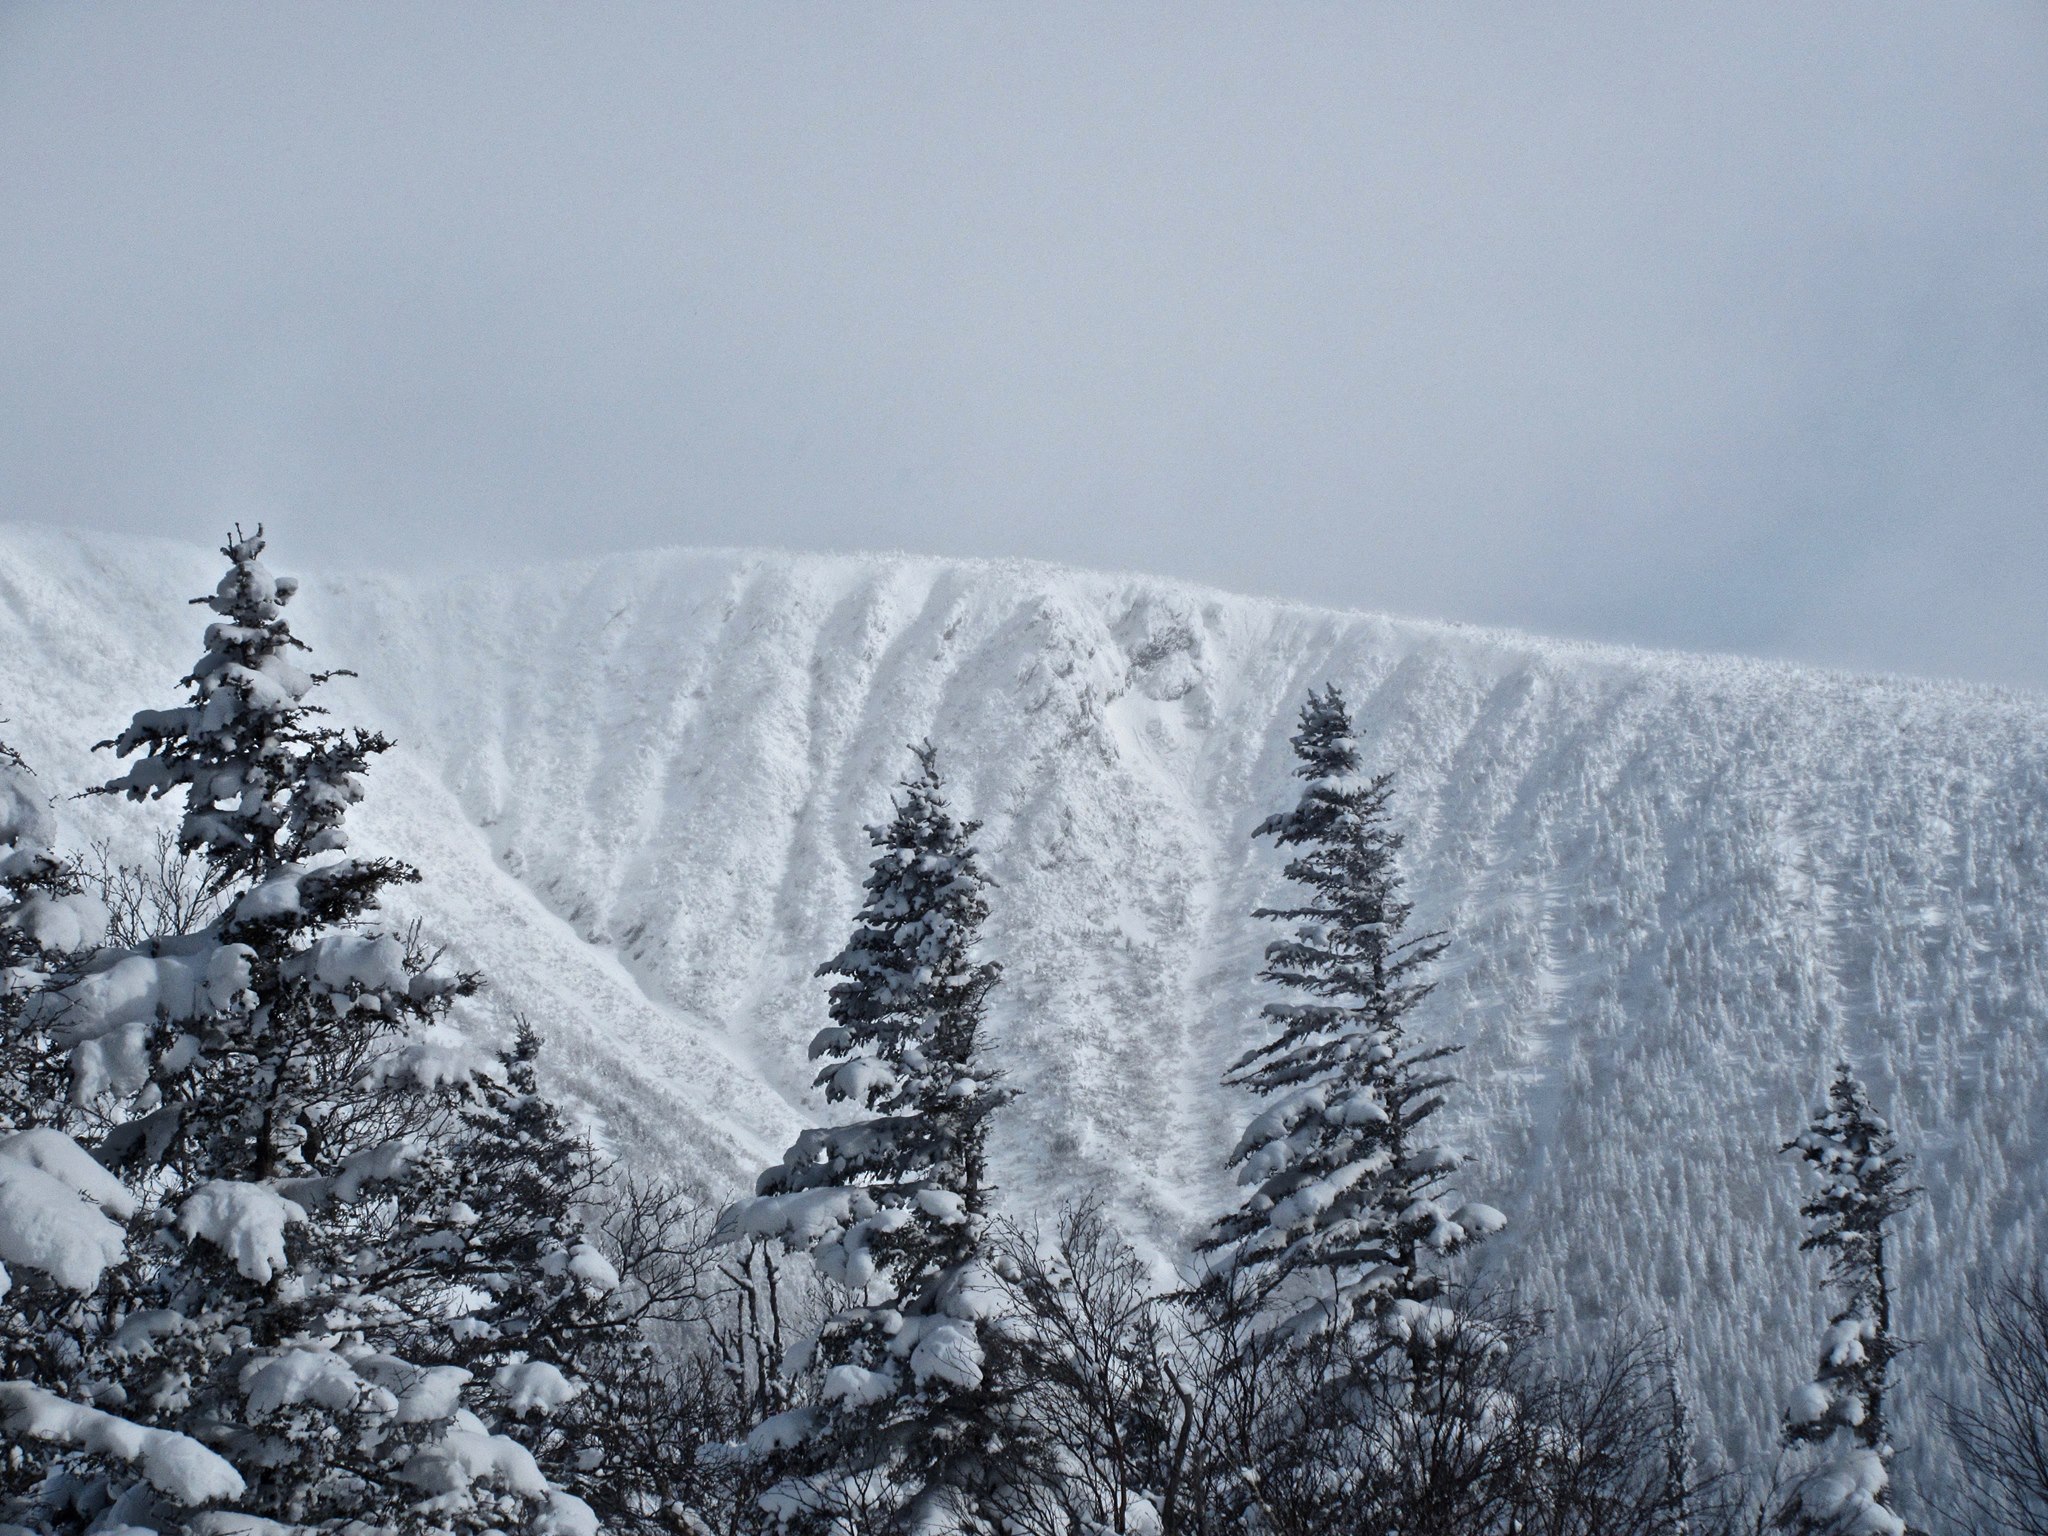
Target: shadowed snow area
1679	887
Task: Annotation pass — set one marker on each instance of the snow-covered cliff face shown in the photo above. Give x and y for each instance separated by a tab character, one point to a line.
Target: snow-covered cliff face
1679	887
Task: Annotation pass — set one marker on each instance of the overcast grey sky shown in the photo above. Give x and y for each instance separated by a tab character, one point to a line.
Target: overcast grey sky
1716	326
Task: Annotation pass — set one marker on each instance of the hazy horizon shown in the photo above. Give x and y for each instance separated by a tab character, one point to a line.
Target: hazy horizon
1723	330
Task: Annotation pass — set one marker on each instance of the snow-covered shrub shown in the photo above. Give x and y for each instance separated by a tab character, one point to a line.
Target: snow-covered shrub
1110	1395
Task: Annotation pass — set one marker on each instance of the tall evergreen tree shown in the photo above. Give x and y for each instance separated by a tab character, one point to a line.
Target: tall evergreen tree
276	1088
1347	1220
1862	1174
913	1428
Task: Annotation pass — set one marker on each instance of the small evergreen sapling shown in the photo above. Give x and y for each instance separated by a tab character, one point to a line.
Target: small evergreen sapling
519	1176
1852	1150
1681	1462
264	784
914	1428
1347	1220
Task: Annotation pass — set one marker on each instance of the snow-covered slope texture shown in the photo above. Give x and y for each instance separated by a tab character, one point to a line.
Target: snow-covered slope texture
1680	888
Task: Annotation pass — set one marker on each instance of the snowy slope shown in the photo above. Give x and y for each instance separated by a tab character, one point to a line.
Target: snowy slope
1680	886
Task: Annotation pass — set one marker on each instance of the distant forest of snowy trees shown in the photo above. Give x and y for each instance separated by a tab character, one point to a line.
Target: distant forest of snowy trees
282	1250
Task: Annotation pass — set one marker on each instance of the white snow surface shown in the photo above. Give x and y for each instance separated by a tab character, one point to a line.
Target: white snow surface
55	1202
1841	1497
534	1386
244	1221
178	1467
63	1159
1679	886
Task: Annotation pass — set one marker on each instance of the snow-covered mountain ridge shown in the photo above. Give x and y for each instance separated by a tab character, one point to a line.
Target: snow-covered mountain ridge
1679	887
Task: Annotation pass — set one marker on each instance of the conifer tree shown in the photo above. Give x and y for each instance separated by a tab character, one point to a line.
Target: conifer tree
65	1221
1862	1174
48	922
563	1350
264	784
557	1335
1681	1464
62	1216
913	1428
1347	1220
276	1088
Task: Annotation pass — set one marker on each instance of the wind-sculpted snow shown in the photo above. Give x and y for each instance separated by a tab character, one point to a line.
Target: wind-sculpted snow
1679	887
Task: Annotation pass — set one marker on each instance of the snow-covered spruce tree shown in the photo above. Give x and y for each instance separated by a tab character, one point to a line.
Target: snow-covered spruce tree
1863	1186
1681	1459
61	1231
62	1215
48	922
1348	1219
914	1428
265	784
565	1347
275	1087
557	1327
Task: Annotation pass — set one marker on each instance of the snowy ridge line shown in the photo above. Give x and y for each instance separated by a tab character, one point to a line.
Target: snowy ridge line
1025	570
27	535
637	787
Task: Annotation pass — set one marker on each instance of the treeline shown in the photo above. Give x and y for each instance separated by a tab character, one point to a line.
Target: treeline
283	1250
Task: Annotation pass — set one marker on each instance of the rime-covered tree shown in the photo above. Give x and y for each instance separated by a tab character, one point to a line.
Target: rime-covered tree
1348	1219
601	1281
913	1428
65	1221
276	1089
1862	1174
